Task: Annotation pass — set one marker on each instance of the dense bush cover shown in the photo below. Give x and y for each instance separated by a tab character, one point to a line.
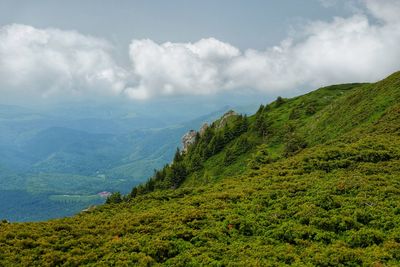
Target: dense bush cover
319	185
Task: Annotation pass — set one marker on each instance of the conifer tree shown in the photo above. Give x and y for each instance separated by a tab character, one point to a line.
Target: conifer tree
279	101
114	198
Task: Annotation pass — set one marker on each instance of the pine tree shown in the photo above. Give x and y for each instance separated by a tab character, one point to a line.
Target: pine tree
260	110
178	155
279	101
114	198
227	134
262	125
178	174
134	192
245	124
216	144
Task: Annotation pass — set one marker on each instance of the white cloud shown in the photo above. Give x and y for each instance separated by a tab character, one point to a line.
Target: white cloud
343	50
386	10
179	68
50	62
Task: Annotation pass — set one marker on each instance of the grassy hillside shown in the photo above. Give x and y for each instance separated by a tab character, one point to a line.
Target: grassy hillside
313	180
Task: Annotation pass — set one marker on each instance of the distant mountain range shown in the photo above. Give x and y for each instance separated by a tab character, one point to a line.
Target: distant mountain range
49	158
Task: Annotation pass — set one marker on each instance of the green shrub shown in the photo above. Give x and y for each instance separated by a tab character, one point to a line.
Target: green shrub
365	237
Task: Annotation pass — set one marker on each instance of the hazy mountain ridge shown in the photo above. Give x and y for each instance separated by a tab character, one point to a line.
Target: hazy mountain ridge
56	154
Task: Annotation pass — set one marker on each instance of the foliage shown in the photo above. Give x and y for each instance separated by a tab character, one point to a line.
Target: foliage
211	143
114	198
279	101
334	202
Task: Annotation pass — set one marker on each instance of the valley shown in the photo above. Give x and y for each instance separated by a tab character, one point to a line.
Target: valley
54	164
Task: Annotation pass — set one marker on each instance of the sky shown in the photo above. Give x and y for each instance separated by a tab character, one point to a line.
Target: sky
144	50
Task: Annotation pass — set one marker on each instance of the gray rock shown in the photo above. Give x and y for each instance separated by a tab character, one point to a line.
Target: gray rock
188	139
224	118
203	129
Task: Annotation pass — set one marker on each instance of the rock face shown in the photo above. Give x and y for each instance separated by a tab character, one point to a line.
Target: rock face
188	139
203	129
225	117
104	194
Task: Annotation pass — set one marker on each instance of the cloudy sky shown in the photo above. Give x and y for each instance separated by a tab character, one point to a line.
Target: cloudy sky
143	50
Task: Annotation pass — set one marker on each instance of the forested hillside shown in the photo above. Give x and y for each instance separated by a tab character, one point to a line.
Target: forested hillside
312	180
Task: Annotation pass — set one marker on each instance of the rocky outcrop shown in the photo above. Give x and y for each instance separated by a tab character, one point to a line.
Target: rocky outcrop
203	129
224	118
188	139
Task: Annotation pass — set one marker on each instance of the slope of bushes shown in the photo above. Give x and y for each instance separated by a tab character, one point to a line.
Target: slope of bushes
313	180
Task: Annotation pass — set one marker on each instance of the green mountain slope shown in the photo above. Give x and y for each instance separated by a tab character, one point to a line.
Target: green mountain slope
313	180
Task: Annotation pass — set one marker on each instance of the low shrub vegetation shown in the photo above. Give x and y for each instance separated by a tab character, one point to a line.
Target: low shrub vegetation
318	185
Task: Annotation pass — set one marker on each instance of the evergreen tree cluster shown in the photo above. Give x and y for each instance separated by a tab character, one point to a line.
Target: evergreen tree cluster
234	137
210	143
262	123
